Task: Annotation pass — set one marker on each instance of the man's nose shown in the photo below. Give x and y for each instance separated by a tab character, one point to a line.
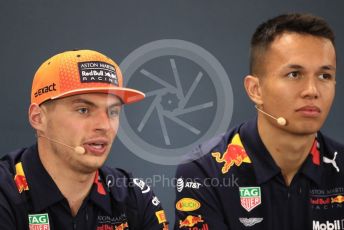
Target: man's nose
310	88
102	121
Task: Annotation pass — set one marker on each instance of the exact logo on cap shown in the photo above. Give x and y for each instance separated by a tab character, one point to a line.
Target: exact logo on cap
97	71
45	89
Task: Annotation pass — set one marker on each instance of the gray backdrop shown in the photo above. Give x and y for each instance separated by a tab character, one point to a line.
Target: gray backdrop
31	31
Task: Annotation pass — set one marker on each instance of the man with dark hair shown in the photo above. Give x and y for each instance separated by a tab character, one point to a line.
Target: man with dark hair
60	183
276	171
297	23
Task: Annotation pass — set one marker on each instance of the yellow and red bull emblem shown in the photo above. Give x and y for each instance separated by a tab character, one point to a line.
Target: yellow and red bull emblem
338	199
235	154
122	226
20	178
190	221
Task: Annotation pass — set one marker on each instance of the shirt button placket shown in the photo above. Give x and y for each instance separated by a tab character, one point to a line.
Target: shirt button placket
288	194
74	225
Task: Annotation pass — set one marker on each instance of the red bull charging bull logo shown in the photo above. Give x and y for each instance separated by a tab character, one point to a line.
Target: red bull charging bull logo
190	221
122	226
20	178
338	199
235	154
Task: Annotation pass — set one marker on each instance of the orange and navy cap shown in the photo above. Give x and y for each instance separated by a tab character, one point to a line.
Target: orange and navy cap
78	72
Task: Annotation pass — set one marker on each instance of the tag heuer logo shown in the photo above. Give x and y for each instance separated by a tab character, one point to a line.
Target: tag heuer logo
39	221
250	197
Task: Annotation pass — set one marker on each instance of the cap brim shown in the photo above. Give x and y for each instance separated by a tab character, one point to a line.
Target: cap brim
127	95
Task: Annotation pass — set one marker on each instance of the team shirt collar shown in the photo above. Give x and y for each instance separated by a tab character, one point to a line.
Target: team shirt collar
99	195
43	190
265	167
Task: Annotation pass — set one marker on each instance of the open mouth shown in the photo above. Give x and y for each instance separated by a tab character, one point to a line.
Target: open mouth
96	148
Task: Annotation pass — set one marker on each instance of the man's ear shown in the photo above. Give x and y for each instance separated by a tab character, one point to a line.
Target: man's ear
253	89
36	117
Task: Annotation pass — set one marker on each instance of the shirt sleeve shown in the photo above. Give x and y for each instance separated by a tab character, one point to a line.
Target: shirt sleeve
153	216
197	204
7	219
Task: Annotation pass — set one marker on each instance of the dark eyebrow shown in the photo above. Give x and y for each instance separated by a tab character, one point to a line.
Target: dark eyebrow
116	104
328	67
325	67
294	66
90	103
79	100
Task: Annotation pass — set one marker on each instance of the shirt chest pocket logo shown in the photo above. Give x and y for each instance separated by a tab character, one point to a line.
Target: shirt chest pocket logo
250	197
39	221
324	201
112	223
328	225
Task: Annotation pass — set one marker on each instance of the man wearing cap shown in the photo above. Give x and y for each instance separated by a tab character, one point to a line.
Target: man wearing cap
277	171
60	182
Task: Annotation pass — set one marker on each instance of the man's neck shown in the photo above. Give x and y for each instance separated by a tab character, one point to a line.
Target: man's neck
288	150
74	186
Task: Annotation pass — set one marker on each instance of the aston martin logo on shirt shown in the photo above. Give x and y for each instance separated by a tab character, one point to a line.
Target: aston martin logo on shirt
248	222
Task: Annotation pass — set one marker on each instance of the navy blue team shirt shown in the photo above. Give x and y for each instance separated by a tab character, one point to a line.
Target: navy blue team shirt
233	183
29	199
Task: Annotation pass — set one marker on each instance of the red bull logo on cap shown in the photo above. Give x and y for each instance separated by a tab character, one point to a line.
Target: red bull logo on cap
234	155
